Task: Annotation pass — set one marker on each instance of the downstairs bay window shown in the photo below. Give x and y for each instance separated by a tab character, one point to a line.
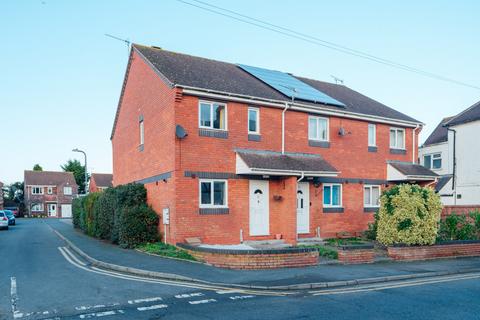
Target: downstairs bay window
213	193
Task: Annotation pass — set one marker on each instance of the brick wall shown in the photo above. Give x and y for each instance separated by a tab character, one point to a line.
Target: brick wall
446	250
448	210
355	256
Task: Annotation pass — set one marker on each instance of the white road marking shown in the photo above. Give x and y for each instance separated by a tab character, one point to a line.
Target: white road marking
241	297
101	314
202	301
98	306
227	291
73	256
14	298
154	307
153	299
189	295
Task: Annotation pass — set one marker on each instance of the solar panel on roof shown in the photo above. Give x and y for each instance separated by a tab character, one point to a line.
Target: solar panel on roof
289	85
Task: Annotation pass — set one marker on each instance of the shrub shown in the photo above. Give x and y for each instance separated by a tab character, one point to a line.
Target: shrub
77	208
371	233
166	250
88	216
138	225
460	227
104	211
408	214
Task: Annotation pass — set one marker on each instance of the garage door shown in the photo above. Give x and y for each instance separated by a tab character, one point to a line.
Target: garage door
66	210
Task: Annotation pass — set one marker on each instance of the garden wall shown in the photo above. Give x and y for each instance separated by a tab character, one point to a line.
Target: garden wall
448	210
254	259
448	249
356	254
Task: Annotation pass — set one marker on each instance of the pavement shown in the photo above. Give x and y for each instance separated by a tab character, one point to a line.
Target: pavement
113	254
41	278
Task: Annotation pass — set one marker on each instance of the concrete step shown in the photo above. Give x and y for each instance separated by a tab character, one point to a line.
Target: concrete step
310	241
267	244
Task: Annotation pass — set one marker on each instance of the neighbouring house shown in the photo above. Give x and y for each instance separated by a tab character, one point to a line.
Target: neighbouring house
456	146
1	195
49	193
230	153
100	182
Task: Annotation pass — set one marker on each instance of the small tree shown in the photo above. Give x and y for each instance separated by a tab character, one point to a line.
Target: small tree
78	171
408	214
37	167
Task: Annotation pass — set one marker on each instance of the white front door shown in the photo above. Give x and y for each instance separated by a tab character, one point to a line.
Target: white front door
66	210
259	208
52	209
303	207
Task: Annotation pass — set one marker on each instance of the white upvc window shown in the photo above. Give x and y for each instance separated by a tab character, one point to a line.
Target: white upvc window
397	138
332	195
317	128
37	190
49	190
141	128
213	193
433	161
371	196
67	191
253	120
212	115
37	207
372	135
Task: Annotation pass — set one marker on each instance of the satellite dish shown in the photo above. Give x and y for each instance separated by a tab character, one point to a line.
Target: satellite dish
180	132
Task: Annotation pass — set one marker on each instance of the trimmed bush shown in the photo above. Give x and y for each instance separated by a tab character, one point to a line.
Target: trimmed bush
77	208
460	227
409	215
138	225
104	213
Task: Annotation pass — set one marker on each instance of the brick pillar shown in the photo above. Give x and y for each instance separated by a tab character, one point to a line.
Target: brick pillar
283	212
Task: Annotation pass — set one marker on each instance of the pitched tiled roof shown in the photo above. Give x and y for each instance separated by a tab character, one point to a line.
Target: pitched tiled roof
185	70
48	178
442	181
102	179
469	115
412	169
293	162
439	134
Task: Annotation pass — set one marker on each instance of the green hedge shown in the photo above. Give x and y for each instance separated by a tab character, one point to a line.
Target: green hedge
118	214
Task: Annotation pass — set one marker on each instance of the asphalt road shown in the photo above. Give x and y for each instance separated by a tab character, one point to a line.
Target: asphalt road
40	279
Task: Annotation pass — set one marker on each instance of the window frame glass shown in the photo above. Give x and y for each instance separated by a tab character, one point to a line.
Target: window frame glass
340	199
212	193
37	190
317	135
35	209
432	158
50	190
374	135
257	120
212	104
67	193
370	203
141	128
395	144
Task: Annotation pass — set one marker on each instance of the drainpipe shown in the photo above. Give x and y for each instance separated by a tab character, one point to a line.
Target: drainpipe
283	126
413	142
454	169
301	177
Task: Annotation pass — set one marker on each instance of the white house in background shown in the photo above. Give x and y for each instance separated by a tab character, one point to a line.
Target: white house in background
453	151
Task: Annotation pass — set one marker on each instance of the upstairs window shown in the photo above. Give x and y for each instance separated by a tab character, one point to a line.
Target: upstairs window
67	191
141	131
432	161
37	207
213	115
50	190
397	138
37	190
318	129
372	135
213	193
371	196
253	121
332	195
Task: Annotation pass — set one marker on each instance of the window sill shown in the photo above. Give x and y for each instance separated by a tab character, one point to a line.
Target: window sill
319	143
214	211
398	151
333	210
372	149
254	137
214	133
370	209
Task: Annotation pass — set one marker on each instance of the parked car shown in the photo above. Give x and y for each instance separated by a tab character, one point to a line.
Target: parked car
13	209
10	216
3	220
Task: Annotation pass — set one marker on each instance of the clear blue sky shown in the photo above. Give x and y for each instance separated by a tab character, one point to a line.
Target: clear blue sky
61	77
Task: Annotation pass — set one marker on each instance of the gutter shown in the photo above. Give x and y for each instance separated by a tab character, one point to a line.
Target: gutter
310	173
294	106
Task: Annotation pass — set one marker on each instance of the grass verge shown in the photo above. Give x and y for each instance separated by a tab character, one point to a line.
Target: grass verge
165	250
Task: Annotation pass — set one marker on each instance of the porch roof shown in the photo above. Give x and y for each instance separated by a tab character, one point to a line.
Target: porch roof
407	171
257	162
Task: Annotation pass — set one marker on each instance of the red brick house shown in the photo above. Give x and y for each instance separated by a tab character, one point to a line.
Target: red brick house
49	193
100	181
231	155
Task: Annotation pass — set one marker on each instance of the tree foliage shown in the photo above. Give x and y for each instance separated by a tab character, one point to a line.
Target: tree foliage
37	167
78	171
